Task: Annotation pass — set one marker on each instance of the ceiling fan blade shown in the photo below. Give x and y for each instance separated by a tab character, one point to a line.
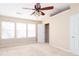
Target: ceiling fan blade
29	8
42	13
47	8
33	13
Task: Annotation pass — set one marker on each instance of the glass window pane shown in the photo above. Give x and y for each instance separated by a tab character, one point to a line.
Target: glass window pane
20	30
31	30
8	30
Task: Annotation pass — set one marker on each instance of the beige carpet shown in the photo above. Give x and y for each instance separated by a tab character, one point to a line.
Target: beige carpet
33	50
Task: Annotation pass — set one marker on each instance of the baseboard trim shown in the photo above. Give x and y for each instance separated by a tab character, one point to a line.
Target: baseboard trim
64	49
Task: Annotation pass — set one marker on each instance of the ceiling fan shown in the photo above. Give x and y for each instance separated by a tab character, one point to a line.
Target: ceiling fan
38	10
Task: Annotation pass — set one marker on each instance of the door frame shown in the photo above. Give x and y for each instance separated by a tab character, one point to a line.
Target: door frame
47	40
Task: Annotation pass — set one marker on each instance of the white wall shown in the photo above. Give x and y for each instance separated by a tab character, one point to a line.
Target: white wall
60	28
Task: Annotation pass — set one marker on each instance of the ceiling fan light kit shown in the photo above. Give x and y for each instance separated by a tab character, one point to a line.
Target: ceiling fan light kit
37	13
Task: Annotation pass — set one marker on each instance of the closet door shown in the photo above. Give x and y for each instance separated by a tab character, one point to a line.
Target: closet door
75	33
41	33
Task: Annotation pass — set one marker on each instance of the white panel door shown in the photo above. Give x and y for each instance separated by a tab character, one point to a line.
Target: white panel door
75	33
41	33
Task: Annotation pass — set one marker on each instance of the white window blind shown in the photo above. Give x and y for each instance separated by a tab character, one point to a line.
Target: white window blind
31	30
20	30
7	30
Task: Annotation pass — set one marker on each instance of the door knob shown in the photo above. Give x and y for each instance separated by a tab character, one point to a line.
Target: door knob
73	36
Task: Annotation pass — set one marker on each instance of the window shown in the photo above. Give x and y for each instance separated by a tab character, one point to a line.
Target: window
31	30
8	30
20	30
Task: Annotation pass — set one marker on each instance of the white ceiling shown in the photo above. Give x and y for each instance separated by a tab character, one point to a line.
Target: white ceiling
12	10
